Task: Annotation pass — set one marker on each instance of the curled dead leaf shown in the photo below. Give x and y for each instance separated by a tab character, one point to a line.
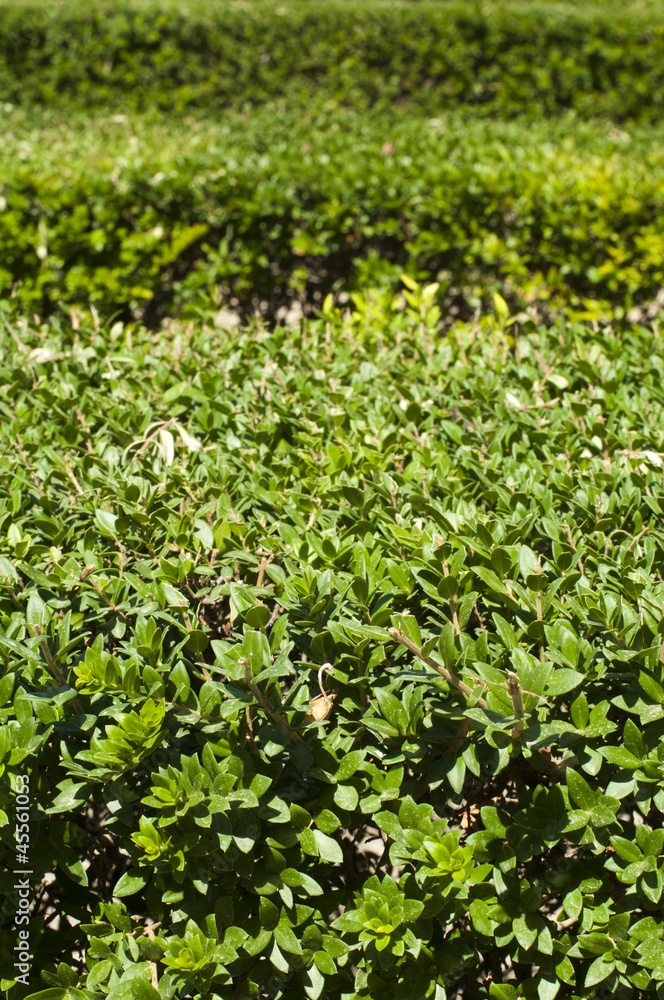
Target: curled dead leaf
319	708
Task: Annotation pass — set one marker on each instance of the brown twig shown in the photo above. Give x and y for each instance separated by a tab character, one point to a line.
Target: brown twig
53	668
100	592
637	538
478	615
265	561
275	614
250	728
72	478
452	603
312	517
201	715
460	738
258	694
443	671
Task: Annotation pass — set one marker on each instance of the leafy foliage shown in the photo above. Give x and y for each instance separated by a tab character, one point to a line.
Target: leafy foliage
334	654
504	58
454	542
147	221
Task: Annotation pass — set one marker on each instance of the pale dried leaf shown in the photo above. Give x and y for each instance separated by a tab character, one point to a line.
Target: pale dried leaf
190	442
319	708
167	442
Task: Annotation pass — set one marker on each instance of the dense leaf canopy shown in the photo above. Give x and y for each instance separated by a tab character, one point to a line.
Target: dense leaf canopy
188	543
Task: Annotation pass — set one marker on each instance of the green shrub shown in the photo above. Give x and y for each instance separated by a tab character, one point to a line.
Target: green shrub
284	212
467	529
506	59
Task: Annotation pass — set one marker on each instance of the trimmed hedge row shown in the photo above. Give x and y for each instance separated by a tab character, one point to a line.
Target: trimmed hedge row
196	524
520	57
273	219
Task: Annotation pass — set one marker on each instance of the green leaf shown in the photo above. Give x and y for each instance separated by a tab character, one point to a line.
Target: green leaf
480	914
525	933
579	710
52	994
598	944
573	903
563	680
651	885
408	625
106	522
314	982
565	970
346	797
297	879
620	757
20	650
633	740
349	765
503	991
325	963
70	863
241	598
528	563
626	849
130	883
600	970
391	708
327	821
328	849
258	616
172	597
580	791
133	987
286	939
197	640
456	773
36	612
547	987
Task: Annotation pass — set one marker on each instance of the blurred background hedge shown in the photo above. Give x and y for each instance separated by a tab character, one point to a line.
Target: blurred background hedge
505	59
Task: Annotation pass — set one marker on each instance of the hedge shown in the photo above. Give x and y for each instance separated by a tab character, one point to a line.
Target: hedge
505	59
140	220
333	659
